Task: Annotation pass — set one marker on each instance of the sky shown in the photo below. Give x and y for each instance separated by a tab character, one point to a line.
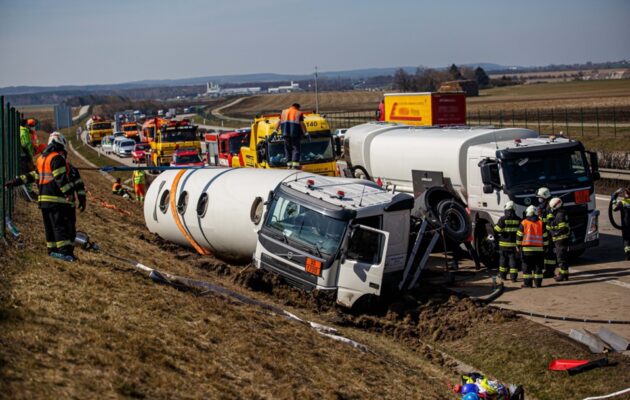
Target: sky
61	42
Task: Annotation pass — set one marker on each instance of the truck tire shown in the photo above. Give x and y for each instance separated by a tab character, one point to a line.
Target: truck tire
485	246
453	215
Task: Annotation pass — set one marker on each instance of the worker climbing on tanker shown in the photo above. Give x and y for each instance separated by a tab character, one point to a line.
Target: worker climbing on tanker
293	129
558	227
623	206
543	211
60	185
532	239
505	231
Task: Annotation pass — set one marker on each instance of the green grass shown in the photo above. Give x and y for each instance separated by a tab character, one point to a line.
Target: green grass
566	89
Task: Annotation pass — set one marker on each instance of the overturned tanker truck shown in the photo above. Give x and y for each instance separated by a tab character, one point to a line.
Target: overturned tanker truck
328	233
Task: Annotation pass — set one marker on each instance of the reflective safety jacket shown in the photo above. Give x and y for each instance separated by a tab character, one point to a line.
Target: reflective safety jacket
117	188
506	230
55	182
26	142
623	205
532	237
290	122
138	177
558	226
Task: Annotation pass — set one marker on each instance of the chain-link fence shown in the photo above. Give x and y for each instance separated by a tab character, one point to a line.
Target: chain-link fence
9	160
574	122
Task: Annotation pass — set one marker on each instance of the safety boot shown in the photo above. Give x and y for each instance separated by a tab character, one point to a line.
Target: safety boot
561	277
513	277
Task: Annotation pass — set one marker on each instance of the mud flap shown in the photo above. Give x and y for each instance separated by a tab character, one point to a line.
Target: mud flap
361	271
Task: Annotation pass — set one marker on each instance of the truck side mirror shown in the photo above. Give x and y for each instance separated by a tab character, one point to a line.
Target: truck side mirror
489	173
594	163
337	145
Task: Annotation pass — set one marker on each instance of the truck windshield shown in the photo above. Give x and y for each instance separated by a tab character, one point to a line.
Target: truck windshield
558	170
101	125
179	136
315	150
237	142
297	223
129	128
187	159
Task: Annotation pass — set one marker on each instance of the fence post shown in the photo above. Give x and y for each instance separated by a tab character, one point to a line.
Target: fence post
553	125
597	119
478	117
11	132
3	175
566	120
538	115
513	118
501	119
614	122
526	118
582	120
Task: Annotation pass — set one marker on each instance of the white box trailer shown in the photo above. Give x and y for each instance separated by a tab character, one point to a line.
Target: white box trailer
483	168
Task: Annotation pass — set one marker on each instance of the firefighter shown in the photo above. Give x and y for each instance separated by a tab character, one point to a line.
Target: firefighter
506	230
544	213
139	181
560	231
293	129
58	184
623	206
532	239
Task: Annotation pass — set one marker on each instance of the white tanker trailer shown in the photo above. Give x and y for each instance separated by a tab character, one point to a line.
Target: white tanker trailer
454	168
216	210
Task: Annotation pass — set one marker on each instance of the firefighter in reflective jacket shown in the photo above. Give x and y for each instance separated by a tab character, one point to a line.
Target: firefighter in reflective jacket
532	239
58	182
623	206
505	231
544	213
293	129
560	231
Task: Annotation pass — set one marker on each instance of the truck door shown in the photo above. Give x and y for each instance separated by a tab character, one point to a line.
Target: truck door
361	270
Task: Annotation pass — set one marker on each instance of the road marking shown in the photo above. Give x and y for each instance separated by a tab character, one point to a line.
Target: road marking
602	198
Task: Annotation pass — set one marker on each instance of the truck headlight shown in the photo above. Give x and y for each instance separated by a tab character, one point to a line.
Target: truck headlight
592	233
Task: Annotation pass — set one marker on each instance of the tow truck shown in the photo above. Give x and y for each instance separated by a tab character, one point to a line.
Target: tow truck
169	136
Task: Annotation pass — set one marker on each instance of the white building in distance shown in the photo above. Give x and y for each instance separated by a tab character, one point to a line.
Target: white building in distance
293	87
215	90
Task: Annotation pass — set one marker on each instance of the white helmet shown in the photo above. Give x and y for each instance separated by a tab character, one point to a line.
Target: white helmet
531	211
58	138
555	203
543	192
509	205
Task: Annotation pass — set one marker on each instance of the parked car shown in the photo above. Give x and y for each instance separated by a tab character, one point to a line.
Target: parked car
107	143
138	155
125	147
187	158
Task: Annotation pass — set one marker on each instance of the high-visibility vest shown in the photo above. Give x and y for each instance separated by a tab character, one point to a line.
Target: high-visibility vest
138	177
50	189
116	187
532	237
290	122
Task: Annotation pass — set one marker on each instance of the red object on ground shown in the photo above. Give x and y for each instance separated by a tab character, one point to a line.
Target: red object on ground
563	365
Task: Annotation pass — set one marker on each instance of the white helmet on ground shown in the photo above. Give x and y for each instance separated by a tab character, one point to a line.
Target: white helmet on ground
555	203
58	138
531	211
543	192
509	205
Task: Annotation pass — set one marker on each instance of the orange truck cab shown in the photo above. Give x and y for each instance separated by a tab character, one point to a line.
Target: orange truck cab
130	129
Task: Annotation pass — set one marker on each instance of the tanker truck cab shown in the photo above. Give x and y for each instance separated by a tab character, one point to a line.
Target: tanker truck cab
350	237
515	170
266	146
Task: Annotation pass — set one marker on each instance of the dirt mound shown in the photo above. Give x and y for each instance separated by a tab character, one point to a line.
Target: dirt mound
262	281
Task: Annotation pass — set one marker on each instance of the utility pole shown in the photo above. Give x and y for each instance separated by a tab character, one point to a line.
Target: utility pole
316	93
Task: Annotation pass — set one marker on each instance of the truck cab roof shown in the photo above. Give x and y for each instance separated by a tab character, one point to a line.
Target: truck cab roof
352	196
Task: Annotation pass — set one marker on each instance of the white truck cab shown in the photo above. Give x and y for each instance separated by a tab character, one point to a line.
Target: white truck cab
352	237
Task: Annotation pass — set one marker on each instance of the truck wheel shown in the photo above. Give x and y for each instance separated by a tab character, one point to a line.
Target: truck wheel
484	244
455	219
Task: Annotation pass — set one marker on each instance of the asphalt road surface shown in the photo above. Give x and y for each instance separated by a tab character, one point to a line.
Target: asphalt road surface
599	286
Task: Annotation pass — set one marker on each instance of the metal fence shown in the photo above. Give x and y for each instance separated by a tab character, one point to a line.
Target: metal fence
9	160
592	121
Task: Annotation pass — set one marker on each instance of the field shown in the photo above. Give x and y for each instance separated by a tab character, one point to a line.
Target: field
97	328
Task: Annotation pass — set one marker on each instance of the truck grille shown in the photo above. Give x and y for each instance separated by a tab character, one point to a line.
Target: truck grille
295	276
578	220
